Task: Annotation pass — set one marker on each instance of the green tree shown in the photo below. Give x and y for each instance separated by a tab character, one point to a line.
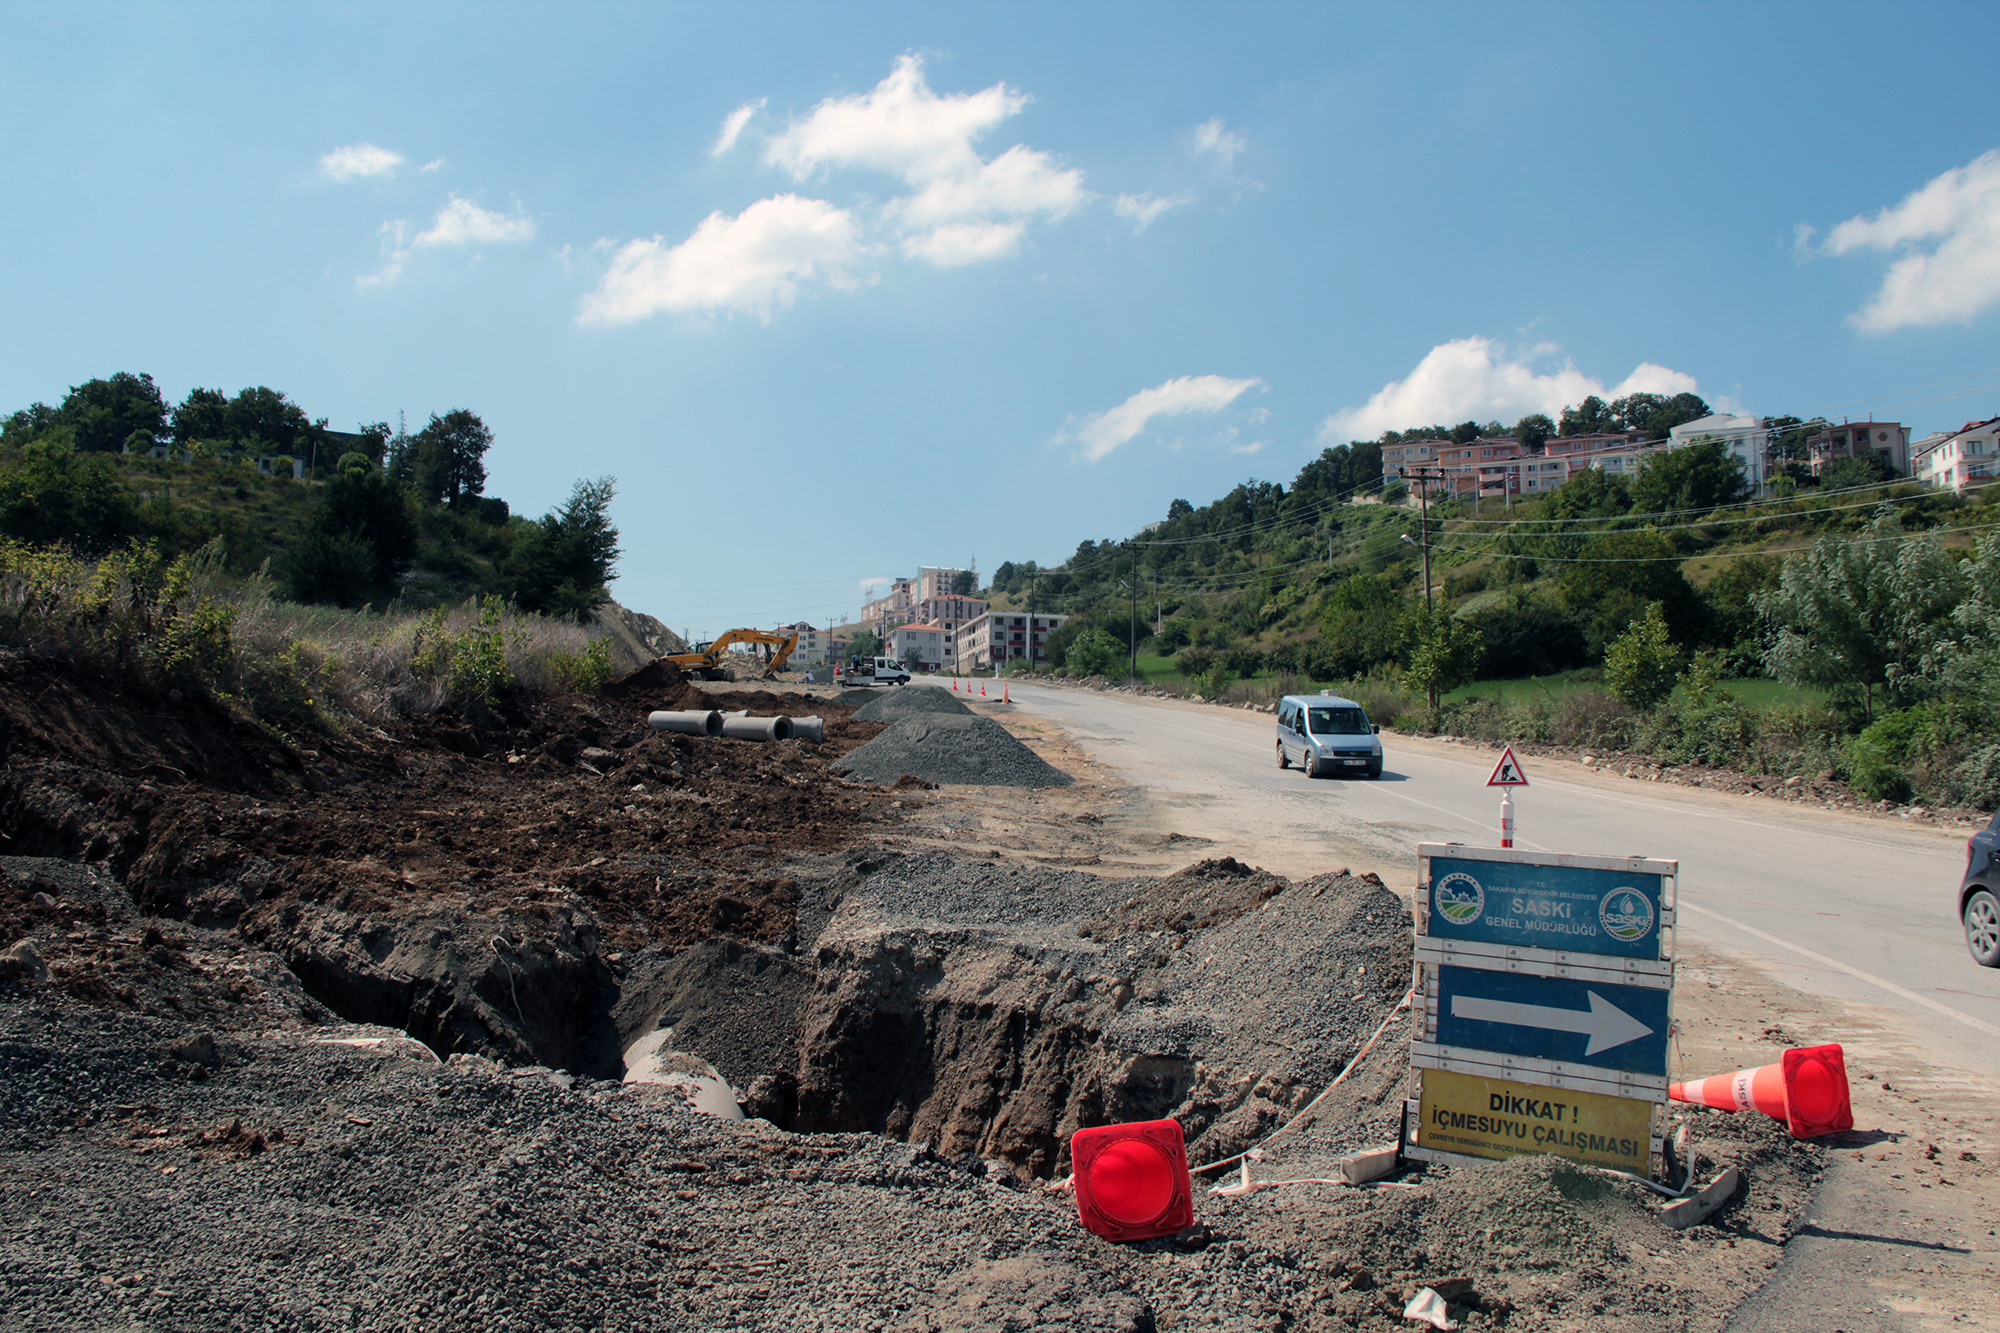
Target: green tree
444	463
265	421
864	644
104	413
1616	574
964	583
1445	655
1095	653
1533	431
1869	469
1694	478
328	569
1592	416
1366	622
1657	414
1866	614
563	561
913	659
54	494
1641	664
202	415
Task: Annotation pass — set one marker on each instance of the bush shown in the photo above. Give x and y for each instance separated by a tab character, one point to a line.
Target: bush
1590	718
1639	666
1975	781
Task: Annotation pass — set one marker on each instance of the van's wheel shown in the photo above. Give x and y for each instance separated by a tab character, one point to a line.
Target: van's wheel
1284	760
1311	765
1374	770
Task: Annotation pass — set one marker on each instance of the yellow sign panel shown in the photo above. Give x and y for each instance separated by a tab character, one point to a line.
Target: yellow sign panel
1491	1117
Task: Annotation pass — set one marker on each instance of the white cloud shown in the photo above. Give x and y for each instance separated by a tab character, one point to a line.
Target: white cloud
732	126
459	222
1212	140
435	164
357	160
751	263
1019	182
1474	379
960	202
900	127
1143	208
1102	432
462	222
1949	234
1255	448
965	243
879	581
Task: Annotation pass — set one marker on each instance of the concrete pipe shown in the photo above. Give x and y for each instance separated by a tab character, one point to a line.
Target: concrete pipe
809	729
688	723
742	728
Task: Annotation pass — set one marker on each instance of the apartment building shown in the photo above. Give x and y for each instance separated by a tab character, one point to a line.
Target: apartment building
1004	636
893	608
813	648
1411	454
926	641
1966	459
936	581
1851	439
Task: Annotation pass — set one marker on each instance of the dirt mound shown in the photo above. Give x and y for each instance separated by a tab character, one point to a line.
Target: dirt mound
898	704
1205	894
973	751
857	697
655	677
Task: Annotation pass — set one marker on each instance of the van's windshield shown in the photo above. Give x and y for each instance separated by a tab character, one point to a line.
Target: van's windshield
1336	722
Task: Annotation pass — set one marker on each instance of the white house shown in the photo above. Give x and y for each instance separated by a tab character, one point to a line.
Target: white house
1747	439
927	641
1966	459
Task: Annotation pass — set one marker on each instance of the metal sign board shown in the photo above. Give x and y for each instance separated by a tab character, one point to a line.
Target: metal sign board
1507	773
1597	1024
1614	908
1462	1115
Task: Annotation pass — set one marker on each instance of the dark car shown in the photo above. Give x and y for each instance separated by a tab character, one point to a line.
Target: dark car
1979	896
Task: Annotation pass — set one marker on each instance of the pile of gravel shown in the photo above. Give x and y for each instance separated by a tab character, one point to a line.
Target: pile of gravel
911	703
937	747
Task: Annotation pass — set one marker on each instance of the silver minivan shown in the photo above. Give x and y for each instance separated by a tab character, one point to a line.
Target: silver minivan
1326	734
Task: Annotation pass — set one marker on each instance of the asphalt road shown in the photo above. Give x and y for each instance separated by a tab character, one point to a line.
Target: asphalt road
1851	908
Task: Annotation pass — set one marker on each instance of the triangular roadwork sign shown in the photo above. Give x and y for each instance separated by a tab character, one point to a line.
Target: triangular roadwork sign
1507	773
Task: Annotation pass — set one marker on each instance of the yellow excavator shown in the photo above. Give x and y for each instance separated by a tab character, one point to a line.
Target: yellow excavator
706	659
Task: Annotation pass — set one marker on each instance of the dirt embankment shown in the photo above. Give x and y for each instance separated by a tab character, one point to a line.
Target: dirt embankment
475	881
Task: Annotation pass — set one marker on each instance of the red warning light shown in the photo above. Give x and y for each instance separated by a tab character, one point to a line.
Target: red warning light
1132	1180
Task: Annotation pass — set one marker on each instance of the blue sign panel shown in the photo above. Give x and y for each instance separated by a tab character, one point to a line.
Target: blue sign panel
1553	1018
1614	912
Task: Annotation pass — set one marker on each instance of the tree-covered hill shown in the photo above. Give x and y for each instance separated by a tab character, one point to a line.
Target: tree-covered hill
352	518
1878	595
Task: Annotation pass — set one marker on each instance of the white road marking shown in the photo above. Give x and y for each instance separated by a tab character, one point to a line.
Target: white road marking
1850	970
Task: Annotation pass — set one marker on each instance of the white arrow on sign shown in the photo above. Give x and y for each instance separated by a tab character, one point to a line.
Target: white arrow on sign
1607	1024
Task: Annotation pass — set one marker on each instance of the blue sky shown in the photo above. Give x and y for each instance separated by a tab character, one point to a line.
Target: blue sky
838	290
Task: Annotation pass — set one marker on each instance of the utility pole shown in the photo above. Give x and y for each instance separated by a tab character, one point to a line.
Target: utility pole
1132	615
1423	477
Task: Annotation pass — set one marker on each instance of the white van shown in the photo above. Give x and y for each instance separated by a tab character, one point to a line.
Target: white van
1325	734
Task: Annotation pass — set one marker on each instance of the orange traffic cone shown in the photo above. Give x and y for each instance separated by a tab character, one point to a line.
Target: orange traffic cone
982	689
1807	1089
1006	694
954	685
